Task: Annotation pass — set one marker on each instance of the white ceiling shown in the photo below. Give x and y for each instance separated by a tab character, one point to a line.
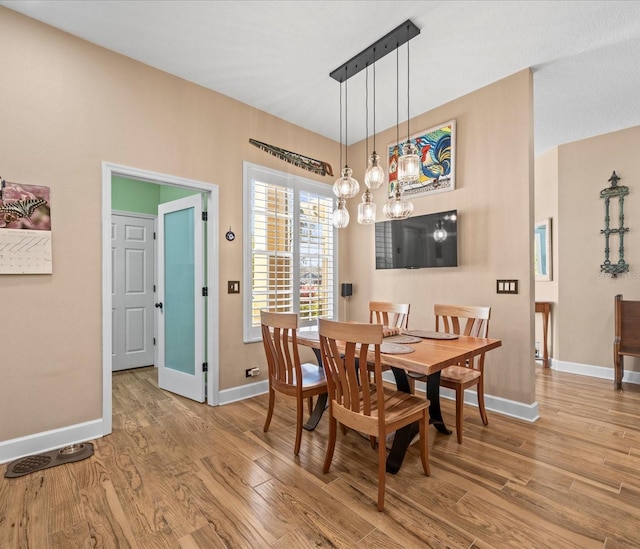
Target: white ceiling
277	55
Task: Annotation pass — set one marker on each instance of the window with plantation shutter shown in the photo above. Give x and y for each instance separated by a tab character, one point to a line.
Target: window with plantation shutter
290	253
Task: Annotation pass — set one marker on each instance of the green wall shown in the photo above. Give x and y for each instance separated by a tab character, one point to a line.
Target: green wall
168	193
131	195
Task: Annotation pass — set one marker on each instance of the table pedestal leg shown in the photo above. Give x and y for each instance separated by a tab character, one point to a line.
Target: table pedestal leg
404	436
435	413
401	442
318	410
321	403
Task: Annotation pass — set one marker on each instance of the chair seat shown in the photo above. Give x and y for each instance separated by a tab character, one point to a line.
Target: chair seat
314	381
399	407
459	374
312	375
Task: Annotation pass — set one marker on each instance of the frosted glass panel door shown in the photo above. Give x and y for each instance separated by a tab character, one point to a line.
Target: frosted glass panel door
180	303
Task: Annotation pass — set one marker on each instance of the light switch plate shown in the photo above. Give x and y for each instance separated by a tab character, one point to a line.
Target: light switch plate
506	286
233	287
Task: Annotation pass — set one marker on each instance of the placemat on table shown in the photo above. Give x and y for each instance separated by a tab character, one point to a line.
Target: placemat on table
395	349
431	335
309	334
402	338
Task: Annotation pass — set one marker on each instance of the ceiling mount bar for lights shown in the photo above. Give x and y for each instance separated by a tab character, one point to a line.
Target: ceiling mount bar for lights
387	44
346	186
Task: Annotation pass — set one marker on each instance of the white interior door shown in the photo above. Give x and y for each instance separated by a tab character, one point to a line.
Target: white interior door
180	302
132	292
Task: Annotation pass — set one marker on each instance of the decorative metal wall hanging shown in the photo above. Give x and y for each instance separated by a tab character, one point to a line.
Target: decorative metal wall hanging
619	192
304	162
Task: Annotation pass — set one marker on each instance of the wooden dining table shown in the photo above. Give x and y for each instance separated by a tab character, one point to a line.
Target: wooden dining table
429	357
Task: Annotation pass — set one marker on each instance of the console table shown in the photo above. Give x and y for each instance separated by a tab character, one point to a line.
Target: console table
544	307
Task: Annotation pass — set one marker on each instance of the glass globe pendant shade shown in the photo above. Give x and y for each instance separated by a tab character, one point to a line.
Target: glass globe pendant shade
367	209
340	216
346	186
374	174
409	164
397	207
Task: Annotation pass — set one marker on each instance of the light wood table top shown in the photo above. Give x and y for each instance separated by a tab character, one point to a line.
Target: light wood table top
429	356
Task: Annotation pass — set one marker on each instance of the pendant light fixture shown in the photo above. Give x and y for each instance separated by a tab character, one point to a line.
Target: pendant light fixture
367	209
374	174
340	217
396	207
409	162
346	186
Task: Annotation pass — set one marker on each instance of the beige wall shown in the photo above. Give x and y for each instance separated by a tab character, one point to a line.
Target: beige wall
494	199
585	297
546	206
67	106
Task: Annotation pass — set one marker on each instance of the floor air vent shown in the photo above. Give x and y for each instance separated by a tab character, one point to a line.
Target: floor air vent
30	464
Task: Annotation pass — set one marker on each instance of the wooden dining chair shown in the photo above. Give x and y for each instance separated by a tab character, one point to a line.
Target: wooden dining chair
286	374
391	315
368	407
468	321
627	335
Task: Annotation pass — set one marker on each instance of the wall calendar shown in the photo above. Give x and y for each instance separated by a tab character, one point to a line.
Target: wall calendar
25	229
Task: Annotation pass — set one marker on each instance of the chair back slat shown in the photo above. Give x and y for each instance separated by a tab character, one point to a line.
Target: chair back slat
392	315
279	336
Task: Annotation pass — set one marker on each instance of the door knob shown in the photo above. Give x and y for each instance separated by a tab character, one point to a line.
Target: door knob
159	305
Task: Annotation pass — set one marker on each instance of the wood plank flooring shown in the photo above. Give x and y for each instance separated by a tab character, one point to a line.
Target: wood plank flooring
179	474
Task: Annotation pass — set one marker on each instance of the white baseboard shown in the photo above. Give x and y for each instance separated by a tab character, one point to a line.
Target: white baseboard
593	371
511	408
50	440
243	391
499	405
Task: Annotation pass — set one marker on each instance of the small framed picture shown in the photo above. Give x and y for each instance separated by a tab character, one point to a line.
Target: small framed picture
542	249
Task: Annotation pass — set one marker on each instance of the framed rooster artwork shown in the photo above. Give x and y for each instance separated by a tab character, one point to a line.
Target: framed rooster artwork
436	149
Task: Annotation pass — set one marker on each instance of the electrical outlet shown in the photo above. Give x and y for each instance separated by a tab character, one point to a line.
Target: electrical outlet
252	372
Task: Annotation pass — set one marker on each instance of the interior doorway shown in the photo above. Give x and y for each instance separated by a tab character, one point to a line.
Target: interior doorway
210	193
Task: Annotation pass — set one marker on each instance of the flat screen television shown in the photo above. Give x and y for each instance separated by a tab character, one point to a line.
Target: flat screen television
418	242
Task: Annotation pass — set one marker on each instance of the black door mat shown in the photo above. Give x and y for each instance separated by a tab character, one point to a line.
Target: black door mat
31	464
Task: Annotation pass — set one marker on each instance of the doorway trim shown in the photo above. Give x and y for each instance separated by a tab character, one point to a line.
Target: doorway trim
109	170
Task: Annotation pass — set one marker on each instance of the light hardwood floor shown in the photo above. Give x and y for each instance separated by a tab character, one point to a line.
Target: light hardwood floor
175	473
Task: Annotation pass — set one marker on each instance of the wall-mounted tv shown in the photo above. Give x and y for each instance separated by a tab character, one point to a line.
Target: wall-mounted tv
418	242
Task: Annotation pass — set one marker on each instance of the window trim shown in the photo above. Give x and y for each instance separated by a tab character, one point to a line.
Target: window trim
252	334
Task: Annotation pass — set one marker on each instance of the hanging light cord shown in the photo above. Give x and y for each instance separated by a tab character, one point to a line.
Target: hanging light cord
346	123
408	69
340	125
366	108
397	102
374	100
